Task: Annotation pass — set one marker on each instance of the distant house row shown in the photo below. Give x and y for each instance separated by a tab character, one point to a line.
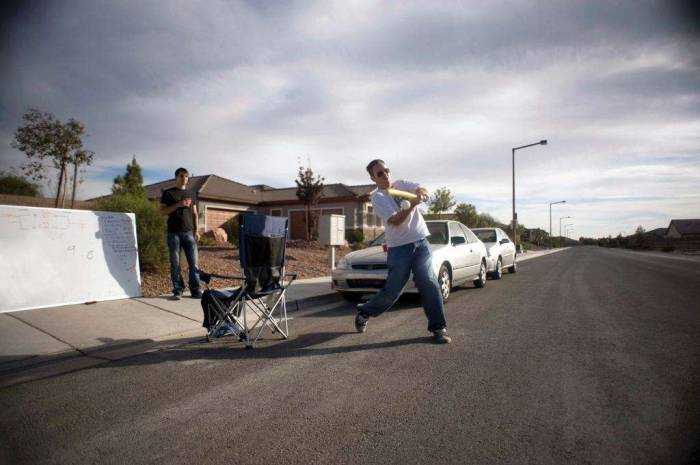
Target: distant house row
219	199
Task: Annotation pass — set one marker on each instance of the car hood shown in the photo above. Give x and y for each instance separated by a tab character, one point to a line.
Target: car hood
369	255
376	254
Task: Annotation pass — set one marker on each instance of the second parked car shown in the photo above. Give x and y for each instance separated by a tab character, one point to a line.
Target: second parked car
500	251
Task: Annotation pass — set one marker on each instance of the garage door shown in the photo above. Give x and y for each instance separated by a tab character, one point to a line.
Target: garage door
216	217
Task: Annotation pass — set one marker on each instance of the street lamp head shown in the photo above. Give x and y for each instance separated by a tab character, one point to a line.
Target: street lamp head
543	142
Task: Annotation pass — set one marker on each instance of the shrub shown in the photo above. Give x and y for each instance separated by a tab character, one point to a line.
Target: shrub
231	228
668	248
358	245
356	235
151	228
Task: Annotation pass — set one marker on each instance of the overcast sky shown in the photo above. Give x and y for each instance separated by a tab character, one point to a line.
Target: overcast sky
440	90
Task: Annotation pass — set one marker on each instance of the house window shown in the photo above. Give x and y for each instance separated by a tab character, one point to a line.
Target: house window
275	212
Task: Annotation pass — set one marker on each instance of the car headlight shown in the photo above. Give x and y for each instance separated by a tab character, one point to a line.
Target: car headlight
343	264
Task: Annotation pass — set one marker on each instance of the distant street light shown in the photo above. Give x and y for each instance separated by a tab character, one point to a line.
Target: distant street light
515	216
550	220
567	231
562	218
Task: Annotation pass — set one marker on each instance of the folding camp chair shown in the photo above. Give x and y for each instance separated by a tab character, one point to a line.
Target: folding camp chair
260	301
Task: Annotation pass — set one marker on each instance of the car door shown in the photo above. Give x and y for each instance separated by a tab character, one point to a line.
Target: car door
475	246
507	248
460	255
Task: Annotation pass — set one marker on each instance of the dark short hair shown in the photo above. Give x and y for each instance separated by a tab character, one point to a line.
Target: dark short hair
371	165
181	170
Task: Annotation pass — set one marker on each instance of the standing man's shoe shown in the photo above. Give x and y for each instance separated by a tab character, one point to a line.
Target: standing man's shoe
361	322
196	294
440	336
177	294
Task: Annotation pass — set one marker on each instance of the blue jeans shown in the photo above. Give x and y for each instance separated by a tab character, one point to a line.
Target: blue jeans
189	245
401	260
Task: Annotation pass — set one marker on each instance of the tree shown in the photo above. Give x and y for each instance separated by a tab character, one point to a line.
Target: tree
13	184
128	195
41	137
441	201
485	220
81	157
467	215
640	230
309	189
131	182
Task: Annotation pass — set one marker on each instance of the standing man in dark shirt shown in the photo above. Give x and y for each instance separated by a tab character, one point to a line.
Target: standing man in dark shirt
183	232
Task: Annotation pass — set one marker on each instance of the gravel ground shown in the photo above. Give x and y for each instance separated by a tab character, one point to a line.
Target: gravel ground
307	259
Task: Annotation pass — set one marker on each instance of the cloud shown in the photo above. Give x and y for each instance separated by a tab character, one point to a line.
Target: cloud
441	90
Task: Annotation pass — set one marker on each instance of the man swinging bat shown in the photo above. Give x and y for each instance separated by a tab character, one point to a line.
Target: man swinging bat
408	251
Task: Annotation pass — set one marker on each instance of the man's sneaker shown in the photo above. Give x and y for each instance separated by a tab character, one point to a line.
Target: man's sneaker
361	322
177	294
440	336
196	294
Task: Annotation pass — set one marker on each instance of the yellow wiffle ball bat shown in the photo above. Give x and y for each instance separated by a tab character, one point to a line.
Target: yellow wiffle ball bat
402	194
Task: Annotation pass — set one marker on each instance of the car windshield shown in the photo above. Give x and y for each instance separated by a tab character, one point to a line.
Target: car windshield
379	240
486	235
438	232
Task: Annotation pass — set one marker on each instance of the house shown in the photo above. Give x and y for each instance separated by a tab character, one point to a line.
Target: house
683	229
219	199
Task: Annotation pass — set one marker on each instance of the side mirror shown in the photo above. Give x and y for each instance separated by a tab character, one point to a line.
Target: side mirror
504	241
456	240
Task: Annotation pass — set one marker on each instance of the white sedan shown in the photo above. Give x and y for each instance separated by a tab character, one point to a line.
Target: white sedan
459	257
500	251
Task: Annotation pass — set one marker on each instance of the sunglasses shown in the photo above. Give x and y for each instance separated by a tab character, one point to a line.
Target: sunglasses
381	174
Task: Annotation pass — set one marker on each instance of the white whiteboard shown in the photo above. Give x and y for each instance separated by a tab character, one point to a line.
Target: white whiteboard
51	256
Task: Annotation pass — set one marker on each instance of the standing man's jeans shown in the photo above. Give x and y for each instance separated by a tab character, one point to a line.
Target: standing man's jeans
403	259
189	245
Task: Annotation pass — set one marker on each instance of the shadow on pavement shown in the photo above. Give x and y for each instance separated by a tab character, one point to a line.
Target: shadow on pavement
230	349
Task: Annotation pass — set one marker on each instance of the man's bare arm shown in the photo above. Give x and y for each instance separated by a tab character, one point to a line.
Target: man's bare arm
401	215
195	220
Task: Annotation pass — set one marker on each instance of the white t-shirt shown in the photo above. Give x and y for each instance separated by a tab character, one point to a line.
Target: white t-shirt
412	229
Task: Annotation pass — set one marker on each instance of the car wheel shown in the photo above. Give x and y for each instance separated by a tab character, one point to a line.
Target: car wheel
481	280
498	272
351	296
445	282
514	267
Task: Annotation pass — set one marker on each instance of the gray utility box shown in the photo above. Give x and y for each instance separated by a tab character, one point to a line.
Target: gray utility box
331	230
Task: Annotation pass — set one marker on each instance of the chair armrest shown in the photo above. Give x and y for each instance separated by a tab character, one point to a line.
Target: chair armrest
206	277
290	275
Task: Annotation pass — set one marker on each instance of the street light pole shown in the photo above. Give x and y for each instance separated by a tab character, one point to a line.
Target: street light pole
515	217
550	220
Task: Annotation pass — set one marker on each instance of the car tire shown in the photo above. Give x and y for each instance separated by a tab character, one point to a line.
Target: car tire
498	272
514	267
445	282
481	280
351	296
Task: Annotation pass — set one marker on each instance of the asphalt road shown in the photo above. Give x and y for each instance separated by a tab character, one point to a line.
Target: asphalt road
583	356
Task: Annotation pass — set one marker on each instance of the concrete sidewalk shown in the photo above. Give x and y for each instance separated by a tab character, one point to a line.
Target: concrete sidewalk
45	342
48	341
